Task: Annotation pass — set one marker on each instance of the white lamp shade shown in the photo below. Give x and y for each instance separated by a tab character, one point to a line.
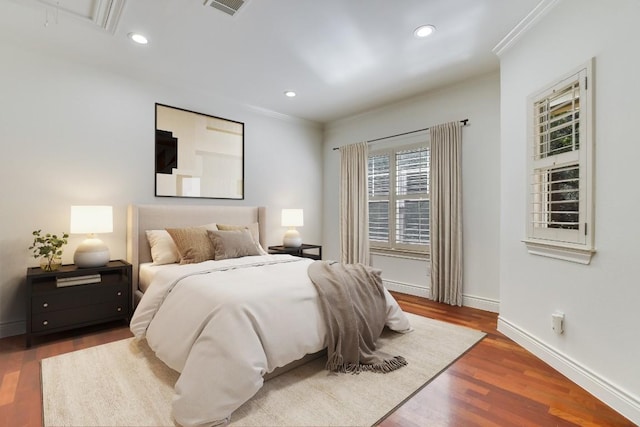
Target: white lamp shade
91	219
292	218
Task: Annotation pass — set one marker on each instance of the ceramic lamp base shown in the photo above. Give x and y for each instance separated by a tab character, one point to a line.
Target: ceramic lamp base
91	253
292	239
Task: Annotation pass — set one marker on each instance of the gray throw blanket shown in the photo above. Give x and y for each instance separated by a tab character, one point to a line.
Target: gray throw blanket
354	308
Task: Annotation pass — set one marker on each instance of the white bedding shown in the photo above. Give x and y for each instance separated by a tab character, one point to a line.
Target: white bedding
224	324
148	270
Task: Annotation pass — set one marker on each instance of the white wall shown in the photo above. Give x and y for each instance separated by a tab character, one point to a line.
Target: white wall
600	348
477	100
70	134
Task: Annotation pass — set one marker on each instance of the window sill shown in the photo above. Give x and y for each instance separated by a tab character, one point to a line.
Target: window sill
399	253
567	252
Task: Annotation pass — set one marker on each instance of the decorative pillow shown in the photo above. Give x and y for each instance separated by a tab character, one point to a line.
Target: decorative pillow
193	244
254	229
163	250
232	244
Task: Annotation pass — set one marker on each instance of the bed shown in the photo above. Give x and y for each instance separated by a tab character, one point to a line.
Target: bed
227	324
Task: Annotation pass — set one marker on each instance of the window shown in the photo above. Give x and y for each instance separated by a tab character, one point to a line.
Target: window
560	196
398	181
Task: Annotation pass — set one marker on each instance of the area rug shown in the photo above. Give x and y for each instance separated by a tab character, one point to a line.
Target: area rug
124	384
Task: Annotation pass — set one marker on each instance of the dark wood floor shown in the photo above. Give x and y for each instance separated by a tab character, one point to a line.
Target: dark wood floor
496	383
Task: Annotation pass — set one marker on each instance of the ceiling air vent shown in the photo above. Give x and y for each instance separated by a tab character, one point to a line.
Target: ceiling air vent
230	7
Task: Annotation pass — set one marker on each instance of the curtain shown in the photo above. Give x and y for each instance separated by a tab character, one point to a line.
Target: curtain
446	213
354	204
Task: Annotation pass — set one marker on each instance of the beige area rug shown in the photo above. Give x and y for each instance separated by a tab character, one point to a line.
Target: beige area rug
123	384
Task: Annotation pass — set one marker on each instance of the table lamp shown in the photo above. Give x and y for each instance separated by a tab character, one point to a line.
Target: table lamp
292	218
91	220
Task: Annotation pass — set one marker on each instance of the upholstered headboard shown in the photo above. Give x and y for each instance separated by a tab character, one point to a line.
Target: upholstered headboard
141	218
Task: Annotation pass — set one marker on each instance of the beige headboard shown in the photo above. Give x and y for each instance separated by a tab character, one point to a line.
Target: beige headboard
158	217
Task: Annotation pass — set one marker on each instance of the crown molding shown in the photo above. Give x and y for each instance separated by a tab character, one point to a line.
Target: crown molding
524	25
104	14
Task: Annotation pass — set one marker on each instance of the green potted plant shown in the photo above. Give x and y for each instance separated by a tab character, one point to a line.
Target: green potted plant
49	249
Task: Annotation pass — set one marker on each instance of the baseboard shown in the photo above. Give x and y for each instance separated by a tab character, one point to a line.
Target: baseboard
481	303
406	288
9	329
420	291
618	399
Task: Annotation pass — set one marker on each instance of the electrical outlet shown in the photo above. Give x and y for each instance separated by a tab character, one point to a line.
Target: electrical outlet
557	322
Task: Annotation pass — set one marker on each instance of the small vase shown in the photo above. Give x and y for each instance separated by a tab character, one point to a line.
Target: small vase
50	264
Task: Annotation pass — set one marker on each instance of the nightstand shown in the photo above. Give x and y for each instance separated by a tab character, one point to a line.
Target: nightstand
301	251
72	297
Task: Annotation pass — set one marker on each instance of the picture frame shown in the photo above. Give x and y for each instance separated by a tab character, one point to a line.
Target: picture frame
197	155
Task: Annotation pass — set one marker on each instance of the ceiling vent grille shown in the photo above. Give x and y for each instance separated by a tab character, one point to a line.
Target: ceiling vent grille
230	7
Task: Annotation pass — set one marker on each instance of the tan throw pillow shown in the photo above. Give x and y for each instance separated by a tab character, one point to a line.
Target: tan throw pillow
254	229
232	244
163	249
193	244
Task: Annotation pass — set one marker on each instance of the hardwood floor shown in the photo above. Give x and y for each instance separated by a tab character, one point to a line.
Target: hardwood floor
496	383
20	392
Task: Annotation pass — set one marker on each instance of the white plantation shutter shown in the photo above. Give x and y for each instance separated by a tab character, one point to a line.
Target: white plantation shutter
398	182
556	198
412	197
379	186
559	158
555	182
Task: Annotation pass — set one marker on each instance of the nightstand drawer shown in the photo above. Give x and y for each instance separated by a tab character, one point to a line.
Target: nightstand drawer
78	296
76	316
54	309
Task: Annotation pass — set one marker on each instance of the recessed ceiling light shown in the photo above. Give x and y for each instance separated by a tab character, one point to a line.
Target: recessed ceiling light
290	93
424	31
138	38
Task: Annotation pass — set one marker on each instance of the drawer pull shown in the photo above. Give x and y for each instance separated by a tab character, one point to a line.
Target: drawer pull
45	323
45	305
119	309
119	293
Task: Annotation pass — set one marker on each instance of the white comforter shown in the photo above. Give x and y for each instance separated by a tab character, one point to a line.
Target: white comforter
224	324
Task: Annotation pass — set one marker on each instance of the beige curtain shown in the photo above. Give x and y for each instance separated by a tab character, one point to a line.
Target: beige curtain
446	213
354	204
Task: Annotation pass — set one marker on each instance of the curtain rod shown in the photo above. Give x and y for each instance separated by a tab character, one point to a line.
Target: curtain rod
464	123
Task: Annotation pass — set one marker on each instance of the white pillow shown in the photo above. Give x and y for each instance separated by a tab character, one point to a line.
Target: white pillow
163	249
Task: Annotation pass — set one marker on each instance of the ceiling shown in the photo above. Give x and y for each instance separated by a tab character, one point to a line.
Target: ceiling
342	57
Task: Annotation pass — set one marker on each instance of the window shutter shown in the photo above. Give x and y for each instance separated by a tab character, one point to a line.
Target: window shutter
412	204
379	221
555	197
560	169
378	176
398	180
558	122
412	172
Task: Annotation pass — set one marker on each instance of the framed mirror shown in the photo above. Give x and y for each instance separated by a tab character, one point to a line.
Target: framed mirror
197	155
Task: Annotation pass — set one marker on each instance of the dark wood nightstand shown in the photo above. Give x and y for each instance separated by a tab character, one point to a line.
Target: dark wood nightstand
301	251
58	300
